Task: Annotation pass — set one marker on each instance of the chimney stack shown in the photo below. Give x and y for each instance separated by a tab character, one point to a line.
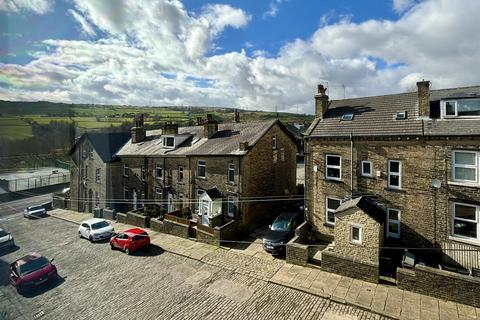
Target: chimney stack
236	116
423	89
210	127
138	131
244	146
170	128
321	102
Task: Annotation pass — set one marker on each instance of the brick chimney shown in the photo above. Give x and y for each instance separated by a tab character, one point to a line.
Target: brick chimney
210	127
138	131
170	128
244	146
321	102
423	89
236	117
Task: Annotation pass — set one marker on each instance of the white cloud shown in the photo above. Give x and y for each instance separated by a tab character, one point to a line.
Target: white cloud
35	6
86	27
168	57
401	6
273	8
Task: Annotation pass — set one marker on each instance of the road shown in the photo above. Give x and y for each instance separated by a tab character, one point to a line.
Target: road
98	283
8	209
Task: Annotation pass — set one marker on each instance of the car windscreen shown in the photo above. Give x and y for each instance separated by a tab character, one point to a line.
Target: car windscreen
3	233
281	225
35	208
33	265
100	225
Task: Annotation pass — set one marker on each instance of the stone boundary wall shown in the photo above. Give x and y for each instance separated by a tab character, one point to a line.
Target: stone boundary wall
121	217
296	253
207	237
138	220
440	284
109	214
157	225
175	228
349	267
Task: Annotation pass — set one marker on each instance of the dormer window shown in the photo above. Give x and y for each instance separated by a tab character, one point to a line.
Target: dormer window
169	142
347	117
461	108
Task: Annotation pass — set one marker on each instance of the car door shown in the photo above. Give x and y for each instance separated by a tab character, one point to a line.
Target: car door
121	240
86	230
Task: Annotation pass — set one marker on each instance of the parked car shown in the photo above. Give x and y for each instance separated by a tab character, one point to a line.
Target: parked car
95	229
6	239
31	271
34	212
281	231
130	240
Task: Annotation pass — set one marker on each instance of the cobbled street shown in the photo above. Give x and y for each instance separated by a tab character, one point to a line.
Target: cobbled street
98	283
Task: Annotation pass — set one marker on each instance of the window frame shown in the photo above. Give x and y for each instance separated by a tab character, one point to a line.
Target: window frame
165	140
181	198
180	174
231	169
476	221
274	142
158	190
125	169
204	166
370	175
397	222
327	210
351	226
143	173
98	176
399	173
126	193
159	168
327	166
232	199
444	114
466	166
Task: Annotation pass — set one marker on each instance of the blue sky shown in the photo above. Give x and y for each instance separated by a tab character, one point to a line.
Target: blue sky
236	53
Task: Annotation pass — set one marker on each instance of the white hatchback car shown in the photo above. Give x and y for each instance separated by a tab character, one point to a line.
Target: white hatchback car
95	229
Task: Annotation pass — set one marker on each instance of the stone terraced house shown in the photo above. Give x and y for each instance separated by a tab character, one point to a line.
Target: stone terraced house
215	170
93	167
415	156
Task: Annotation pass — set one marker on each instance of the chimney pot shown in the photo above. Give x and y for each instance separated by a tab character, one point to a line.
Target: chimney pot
321	102
244	146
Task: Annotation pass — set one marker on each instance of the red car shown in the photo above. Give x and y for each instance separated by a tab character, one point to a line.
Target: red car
130	240
31	271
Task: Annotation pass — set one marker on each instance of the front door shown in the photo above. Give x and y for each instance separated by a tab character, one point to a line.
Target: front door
205	211
169	202
134	200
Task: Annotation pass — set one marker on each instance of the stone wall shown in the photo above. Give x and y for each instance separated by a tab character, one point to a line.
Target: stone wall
441	284
372	236
350	267
176	228
207	237
157	225
296	253
137	219
425	211
121	217
109	214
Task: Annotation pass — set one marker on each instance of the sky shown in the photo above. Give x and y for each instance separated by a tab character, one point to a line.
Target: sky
250	54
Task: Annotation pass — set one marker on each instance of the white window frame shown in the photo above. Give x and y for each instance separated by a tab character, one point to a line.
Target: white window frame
371	169
399	173
455	102
477	221
97	199
274	142
327	210
157	168
231	168
158	190
181	174
327	166
204	165
98	175
467	166
360	233
397	222
234	200
125	169
165	139
181	199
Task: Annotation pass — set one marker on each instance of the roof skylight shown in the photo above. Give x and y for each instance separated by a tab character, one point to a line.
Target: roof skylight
347	116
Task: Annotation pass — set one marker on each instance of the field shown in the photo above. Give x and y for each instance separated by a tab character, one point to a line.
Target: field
16	118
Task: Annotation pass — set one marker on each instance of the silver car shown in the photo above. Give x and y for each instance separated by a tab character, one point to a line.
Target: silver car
34	212
6	239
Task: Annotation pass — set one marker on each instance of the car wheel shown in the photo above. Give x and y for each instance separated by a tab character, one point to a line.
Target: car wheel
127	251
90	238
112	246
80	235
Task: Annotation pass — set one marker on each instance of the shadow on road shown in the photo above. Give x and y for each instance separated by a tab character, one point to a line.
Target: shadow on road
151	251
36	291
8	250
4	273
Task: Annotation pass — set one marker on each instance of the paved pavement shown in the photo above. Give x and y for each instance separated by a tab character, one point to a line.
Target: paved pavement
98	283
251	260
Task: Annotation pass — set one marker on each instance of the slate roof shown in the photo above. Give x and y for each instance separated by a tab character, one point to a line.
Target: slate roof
214	193
225	142
366	204
375	116
106	144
